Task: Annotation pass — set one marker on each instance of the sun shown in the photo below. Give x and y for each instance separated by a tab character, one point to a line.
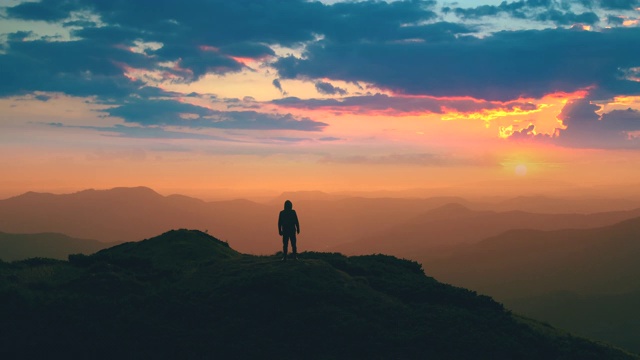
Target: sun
521	170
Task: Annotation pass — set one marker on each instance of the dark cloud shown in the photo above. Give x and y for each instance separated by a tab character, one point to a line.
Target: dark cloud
516	9
45	10
615	20
285	139
586	129
329	138
568	18
545	10
79	68
400	105
619	4
396	45
175	113
251	120
248	50
528	134
42	97
276	83
200	36
503	66
328	89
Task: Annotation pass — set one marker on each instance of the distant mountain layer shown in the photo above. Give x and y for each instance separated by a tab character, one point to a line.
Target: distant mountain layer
454	224
389	225
559	276
185	294
46	245
522	263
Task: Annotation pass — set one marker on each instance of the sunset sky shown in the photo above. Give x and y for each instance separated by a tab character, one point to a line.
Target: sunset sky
205	97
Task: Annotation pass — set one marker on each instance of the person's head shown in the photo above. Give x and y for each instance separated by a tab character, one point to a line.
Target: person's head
288	205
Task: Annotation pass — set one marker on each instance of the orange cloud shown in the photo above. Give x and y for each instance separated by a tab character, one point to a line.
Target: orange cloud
544	120
491	114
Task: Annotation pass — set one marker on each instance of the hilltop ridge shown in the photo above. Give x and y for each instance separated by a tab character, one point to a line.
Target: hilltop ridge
186	294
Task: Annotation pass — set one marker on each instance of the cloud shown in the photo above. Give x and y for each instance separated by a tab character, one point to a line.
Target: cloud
251	120
568	18
174	113
43	97
615	20
78	68
276	83
135	132
329	138
46	10
618	4
326	88
559	13
400	105
516	9
400	46
195	62
503	66
585	128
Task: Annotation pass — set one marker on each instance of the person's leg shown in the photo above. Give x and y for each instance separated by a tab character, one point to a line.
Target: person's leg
285	246
294	248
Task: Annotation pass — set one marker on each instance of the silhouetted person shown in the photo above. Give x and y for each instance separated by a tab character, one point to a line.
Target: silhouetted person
288	227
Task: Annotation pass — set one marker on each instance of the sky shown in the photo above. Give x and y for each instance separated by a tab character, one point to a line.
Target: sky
215	97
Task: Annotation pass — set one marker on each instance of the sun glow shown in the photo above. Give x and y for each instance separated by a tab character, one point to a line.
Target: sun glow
521	170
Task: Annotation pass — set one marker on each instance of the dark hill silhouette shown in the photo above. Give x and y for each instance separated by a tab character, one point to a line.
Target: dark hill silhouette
555	275
170	249
209	301
454	224
48	245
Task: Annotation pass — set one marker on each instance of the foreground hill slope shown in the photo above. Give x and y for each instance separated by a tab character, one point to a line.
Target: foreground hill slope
185	294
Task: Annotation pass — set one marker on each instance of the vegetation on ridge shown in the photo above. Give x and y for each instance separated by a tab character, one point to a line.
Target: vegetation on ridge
185	294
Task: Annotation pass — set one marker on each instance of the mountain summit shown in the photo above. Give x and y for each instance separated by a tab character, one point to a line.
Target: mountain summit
186	294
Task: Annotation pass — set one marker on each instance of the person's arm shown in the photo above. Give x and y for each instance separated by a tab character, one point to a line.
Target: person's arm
295	215
280	223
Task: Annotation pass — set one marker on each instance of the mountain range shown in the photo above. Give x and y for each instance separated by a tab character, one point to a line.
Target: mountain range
433	233
391	225
585	280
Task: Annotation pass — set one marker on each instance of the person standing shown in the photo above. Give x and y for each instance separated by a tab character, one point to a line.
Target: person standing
288	227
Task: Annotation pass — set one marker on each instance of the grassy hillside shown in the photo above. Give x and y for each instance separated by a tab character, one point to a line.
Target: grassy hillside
612	317
185	294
